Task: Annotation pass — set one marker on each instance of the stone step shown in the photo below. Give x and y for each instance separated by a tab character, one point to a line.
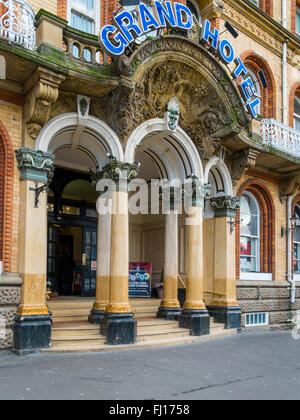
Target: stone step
70	318
155	324
162	334
83	340
72	332
70	312
178	341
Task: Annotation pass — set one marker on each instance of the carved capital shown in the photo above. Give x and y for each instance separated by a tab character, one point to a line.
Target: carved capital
241	161
196	192
290	185
35	165
43	91
225	206
118	172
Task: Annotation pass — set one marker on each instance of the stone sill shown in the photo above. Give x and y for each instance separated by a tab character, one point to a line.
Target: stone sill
10	279
255	283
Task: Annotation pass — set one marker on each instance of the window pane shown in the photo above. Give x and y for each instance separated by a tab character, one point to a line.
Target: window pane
81	22
298	21
249	254
297	235
85	6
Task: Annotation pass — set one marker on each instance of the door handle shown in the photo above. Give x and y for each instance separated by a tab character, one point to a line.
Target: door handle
83	259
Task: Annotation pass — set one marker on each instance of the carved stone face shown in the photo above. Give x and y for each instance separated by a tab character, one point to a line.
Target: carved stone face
173	120
83	106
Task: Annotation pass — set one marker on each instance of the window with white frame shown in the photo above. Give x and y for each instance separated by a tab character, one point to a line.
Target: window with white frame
298	20
296	257
84	15
250	234
297	113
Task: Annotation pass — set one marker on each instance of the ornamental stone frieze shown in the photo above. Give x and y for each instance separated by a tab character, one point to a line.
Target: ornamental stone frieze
174	67
240	162
35	165
225	206
43	91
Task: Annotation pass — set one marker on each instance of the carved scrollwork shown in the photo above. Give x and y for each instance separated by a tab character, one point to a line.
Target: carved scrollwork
290	185
241	161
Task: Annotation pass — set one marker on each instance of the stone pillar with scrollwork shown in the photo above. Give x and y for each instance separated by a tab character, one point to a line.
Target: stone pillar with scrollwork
118	324
195	315
32	329
224	307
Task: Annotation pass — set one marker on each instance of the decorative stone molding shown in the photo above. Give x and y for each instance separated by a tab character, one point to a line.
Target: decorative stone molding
241	161
200	191
118	172
43	92
225	206
35	165
290	185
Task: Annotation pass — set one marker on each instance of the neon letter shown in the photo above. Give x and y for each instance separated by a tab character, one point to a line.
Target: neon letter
247	89
240	70
181	10
251	107
147	19
207	35
164	14
125	23
226	52
106	43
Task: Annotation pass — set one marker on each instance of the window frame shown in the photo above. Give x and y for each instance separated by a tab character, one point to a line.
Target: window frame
95	17
295	115
297	14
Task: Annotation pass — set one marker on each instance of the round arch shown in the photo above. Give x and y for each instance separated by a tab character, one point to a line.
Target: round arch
6	196
99	139
184	159
255	62
219	170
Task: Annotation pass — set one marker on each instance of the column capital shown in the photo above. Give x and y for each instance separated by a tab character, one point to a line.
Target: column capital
196	191
225	206
35	165
119	172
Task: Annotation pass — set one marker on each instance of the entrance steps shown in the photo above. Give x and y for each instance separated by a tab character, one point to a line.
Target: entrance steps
71	331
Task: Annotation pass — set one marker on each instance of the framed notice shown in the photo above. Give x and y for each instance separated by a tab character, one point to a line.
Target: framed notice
140	279
77	281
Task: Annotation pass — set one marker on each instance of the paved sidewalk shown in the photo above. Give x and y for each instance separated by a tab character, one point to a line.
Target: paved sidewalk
252	365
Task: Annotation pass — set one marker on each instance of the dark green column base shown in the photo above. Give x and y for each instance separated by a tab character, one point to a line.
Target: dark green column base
231	316
119	328
170	314
197	321
31	333
95	317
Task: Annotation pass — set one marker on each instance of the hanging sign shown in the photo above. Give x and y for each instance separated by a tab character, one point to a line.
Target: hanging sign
127	26
225	51
140	279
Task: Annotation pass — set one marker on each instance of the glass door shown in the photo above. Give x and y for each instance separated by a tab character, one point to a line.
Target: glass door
52	262
89	262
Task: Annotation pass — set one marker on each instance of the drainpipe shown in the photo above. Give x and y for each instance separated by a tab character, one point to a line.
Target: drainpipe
283	13
284	67
289	249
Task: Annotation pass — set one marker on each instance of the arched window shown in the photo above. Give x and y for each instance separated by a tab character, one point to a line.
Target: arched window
194	8
297	113
256	85
254	63
250	234
255	234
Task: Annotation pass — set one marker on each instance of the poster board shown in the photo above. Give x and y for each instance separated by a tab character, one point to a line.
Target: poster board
140	275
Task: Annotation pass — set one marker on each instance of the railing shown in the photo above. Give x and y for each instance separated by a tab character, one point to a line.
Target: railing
280	137
17	23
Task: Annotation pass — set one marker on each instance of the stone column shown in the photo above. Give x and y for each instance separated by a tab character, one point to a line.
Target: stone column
225	308
118	324
32	329
103	268
195	315
170	306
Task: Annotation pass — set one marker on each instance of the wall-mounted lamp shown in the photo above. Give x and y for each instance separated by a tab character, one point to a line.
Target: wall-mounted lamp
295	221
231	29
262	78
38	191
125	3
233	224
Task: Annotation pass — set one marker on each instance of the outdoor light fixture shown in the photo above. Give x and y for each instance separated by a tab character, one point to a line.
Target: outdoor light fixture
295	221
230	29
233	224
262	78
125	3
38	191
138	164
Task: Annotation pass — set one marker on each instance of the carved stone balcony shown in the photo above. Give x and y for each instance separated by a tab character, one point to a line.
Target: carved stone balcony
17	23
280	137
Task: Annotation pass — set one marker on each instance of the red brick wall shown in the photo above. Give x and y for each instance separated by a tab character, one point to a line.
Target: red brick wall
6	196
62	8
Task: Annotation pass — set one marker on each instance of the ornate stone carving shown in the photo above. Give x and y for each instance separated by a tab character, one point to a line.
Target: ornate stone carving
290	185
66	102
241	161
8	314
41	96
35	165
173	113
225	206
120	173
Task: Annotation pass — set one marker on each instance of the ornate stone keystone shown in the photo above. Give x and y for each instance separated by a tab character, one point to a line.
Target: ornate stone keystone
225	206
35	165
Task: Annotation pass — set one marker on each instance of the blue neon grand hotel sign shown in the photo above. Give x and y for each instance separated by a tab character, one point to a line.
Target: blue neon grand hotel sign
128	26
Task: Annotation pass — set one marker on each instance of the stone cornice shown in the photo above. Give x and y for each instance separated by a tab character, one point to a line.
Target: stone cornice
239	12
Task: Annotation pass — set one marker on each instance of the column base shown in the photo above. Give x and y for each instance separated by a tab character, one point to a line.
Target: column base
31	333
95	317
119	328
196	320
231	316
170	314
